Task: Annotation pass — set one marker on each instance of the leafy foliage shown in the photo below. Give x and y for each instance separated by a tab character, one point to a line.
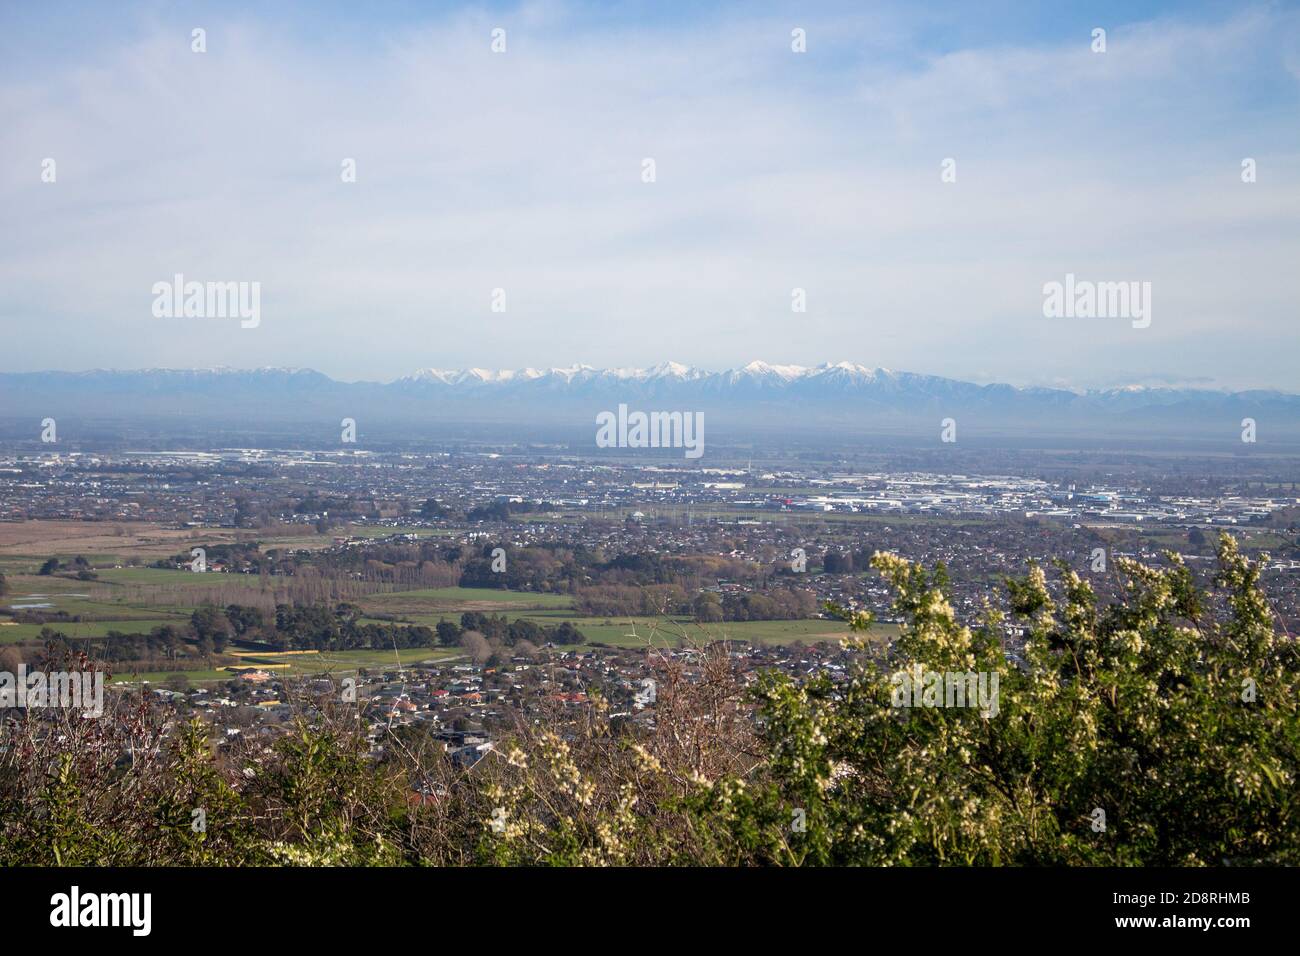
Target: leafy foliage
1179	726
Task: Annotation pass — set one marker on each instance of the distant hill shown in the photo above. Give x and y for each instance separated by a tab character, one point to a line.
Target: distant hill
842	397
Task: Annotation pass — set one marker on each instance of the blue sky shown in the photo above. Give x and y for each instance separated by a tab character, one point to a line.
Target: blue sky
774	171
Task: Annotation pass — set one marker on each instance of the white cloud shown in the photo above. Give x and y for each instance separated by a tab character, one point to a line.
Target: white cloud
521	171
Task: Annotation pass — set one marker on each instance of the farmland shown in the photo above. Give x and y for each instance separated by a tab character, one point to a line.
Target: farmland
122	596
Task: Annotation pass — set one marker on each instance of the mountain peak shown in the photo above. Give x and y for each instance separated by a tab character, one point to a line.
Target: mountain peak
670	370
761	369
759	392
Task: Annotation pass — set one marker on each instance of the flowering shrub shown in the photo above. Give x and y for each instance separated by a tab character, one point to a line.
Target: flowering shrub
1160	731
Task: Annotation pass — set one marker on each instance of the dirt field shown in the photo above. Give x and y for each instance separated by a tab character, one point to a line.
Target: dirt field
47	537
125	538
142	539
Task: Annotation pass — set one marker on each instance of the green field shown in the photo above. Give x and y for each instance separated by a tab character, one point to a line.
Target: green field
124	599
425	606
639	632
10	633
316	663
174	578
464	596
158	677
330	662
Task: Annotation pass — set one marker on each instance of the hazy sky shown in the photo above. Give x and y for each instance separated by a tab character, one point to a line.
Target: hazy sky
774	170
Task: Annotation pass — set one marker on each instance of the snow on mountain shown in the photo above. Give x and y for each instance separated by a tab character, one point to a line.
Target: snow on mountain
832	394
827	379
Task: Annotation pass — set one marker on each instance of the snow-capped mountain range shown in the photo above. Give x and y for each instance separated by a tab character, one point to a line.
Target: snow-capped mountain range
839	395
833	376
758	372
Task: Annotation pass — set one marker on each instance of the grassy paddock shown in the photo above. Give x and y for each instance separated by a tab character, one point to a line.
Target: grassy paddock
304	663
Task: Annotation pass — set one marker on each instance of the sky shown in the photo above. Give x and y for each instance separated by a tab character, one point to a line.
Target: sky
774	170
